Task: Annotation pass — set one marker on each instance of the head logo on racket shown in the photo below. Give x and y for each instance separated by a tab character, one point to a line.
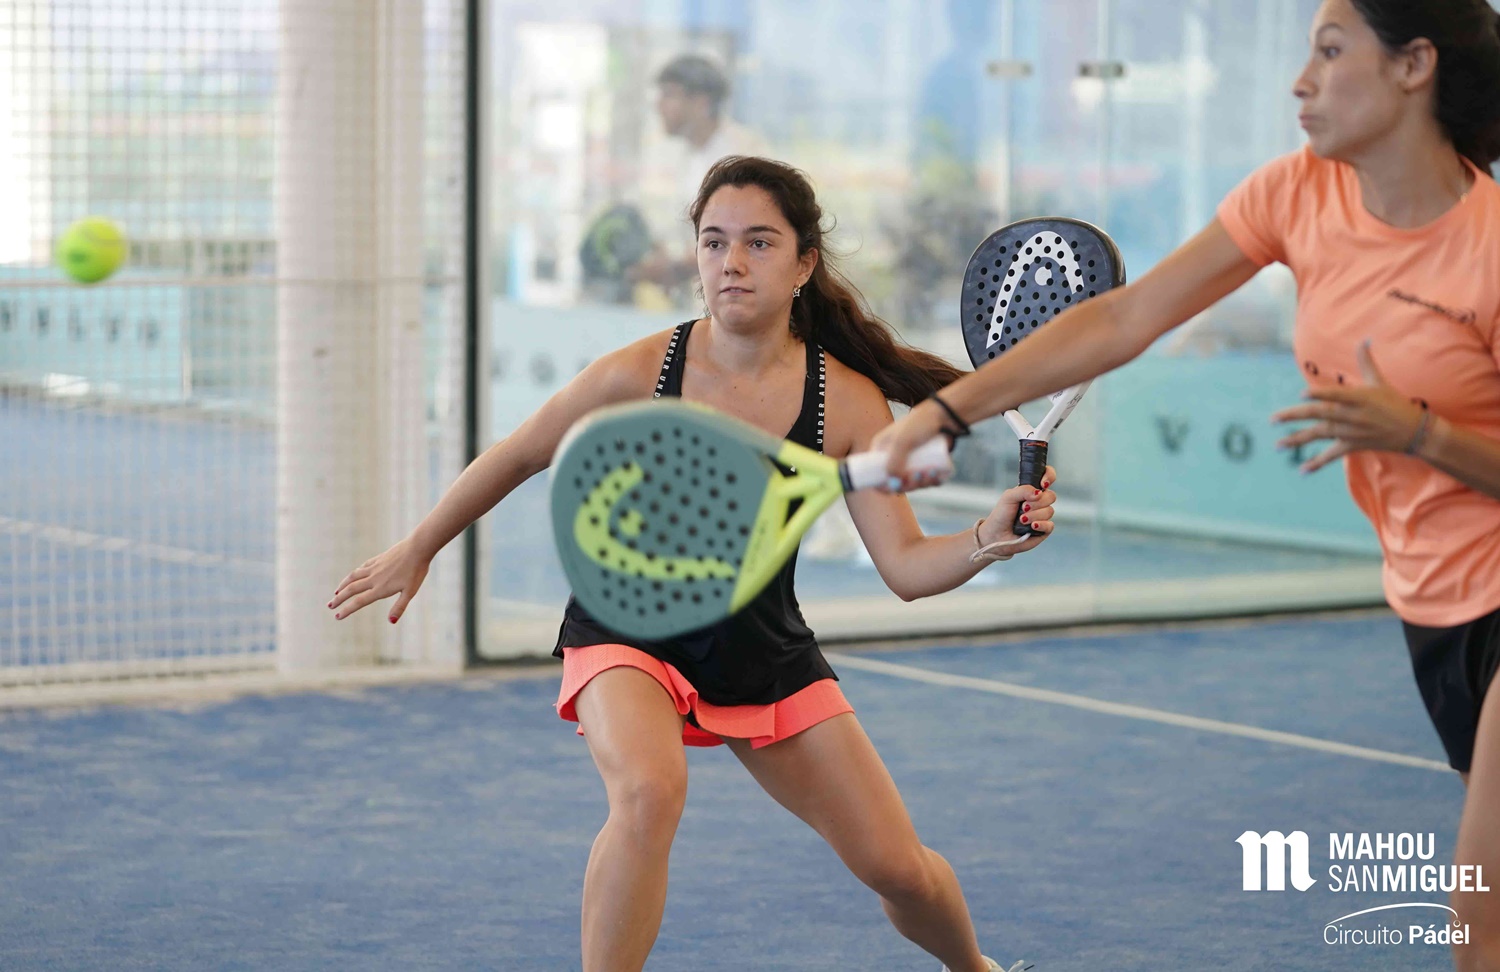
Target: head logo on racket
669	516
1048	270
596	526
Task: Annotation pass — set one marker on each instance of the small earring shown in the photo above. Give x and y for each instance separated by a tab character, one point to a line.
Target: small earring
796	292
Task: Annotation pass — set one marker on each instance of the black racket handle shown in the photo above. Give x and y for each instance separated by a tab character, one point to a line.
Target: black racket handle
1033	470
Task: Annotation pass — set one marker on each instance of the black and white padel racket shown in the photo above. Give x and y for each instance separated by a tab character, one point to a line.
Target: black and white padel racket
1020	278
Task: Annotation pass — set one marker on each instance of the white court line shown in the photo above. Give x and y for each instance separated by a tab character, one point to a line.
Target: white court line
910	673
136	548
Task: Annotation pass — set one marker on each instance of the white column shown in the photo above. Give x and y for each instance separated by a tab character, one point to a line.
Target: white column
403	451
25	135
352	463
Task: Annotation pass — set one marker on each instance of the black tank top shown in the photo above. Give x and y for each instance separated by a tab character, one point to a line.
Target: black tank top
766	652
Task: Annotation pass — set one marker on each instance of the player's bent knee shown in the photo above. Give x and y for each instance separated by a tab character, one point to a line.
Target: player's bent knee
649	801
898	875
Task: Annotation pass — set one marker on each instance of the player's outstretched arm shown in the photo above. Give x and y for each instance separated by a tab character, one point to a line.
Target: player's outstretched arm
1084	342
911	563
619	376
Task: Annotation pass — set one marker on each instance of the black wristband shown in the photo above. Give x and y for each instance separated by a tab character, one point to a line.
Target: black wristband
963	427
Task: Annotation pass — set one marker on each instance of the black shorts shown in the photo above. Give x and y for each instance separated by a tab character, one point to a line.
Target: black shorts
1453	667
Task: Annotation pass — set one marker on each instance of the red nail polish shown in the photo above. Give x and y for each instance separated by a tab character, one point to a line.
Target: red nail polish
1026	507
393	620
1025	519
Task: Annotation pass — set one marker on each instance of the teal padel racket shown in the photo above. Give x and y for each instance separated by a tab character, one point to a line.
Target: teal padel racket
670	516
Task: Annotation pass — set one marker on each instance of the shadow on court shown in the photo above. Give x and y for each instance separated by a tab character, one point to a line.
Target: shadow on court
446	826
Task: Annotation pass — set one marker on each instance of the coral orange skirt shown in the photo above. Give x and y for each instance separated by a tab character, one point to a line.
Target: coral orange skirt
761	724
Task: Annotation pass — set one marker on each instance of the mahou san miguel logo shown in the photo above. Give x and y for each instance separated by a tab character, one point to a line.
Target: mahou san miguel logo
1386	863
1280	851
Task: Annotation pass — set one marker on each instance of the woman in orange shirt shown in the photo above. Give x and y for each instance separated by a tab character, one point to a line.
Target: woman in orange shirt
1390	222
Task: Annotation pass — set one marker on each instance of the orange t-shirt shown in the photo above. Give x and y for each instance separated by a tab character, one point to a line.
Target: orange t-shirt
1429	301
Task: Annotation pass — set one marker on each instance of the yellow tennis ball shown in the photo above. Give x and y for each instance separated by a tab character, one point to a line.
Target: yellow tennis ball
91	249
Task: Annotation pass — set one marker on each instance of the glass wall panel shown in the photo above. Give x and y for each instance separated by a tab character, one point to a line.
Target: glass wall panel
1186	445
924	127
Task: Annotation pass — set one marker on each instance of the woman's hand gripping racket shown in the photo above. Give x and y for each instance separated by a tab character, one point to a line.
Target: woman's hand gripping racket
1018	280
670	517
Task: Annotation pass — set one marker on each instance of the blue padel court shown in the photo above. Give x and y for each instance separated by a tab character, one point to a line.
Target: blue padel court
1088	787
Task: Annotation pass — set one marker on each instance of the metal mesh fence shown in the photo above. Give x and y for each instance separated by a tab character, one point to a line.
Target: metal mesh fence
142	425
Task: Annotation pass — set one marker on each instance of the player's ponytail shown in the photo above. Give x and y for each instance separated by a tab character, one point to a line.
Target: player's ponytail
1466	34
1488	137
831	311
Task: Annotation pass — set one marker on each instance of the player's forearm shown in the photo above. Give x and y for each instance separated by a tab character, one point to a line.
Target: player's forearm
1464	454
1080	345
932	565
486	481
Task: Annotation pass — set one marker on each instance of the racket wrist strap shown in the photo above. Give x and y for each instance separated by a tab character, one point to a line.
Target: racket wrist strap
988	553
962	428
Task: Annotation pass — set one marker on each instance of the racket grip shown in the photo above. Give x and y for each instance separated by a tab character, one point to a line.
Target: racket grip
866	469
1033	471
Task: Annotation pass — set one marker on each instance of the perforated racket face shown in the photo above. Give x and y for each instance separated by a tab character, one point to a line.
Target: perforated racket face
652	508
1027	273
